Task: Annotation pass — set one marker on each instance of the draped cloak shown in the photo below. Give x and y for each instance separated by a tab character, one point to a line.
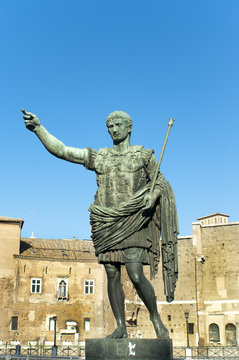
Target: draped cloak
110	226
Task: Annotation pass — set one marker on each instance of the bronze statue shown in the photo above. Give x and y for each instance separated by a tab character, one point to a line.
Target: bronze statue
126	217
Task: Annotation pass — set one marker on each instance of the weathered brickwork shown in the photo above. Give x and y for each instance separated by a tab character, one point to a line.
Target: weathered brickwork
207	288
34	310
219	296
28	261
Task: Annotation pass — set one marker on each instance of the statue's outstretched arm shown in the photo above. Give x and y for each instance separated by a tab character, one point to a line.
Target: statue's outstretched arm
51	143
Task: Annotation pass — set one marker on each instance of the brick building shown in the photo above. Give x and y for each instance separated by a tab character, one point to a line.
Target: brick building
207	288
43	278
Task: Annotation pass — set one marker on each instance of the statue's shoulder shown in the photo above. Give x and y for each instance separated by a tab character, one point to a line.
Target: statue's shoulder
136	148
103	151
90	159
95	157
141	148
145	153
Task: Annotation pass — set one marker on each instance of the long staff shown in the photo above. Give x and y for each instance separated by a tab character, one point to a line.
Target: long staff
170	124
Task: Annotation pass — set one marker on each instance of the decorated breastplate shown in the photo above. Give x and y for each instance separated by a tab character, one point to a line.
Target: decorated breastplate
119	175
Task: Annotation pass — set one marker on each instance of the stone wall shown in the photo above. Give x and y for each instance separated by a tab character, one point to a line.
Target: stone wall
220	276
50	261
34	310
10	232
207	288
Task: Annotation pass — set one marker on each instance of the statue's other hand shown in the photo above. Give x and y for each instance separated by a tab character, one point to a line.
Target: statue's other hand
149	201
32	122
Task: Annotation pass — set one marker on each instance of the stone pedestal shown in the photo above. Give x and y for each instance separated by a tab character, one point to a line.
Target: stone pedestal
128	349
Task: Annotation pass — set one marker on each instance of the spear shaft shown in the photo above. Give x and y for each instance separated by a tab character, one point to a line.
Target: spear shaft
170	124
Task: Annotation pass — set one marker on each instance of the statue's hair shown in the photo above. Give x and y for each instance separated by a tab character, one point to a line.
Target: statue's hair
119	114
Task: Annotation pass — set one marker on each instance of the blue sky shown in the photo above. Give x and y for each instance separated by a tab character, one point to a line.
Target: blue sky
73	62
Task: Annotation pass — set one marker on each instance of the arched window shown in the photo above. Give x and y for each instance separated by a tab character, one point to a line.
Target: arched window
214	334
62	290
231	334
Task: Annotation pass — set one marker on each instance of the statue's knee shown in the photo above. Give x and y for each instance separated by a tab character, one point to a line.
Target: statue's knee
112	272
135	272
135	277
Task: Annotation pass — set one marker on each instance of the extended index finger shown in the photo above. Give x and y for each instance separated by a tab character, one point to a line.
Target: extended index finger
25	112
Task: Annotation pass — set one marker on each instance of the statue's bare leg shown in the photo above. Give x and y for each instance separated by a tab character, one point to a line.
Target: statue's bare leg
116	298
146	292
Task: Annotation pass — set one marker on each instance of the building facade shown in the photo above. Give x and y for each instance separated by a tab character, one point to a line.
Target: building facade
47	280
46	283
207	289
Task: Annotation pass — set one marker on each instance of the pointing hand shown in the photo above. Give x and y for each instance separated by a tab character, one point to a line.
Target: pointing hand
32	122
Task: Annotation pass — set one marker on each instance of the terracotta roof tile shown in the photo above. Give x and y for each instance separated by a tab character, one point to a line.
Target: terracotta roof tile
62	249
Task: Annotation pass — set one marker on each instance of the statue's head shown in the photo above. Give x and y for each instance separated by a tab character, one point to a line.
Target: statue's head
119	125
119	114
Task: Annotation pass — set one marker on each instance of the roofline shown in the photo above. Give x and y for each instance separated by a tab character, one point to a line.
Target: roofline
205	217
214	225
61	239
4	219
53	259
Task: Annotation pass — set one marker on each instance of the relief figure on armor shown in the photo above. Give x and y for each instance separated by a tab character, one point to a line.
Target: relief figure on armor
131	225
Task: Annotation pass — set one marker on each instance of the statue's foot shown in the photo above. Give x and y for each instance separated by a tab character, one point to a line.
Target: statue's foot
119	333
160	329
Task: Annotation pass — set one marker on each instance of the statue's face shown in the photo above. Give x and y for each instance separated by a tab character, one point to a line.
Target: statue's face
118	129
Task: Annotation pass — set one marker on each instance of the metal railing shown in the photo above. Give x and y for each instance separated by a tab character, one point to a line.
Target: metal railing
39	352
36	357
207	352
32	357
30	351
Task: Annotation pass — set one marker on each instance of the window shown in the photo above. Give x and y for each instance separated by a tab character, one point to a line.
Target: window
169	317
231	335
191	328
51	324
14	323
62	292
214	335
89	286
87	324
36	285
